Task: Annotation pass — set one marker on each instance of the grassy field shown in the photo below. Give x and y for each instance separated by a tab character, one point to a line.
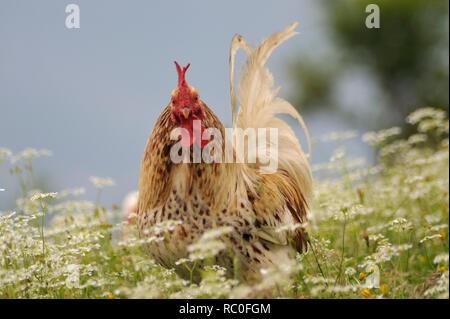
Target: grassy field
375	232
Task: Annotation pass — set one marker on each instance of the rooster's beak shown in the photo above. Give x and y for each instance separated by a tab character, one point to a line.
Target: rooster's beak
186	112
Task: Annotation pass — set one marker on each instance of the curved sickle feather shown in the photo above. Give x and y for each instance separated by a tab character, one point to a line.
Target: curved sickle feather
237	43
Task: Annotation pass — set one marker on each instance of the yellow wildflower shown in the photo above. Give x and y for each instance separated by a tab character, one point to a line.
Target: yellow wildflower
384	289
422	259
362	276
366	293
441	269
442	234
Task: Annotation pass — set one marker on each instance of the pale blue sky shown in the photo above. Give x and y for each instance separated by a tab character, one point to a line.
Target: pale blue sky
91	95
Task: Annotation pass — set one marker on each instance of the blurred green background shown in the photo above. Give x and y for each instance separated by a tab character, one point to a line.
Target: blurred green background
405	61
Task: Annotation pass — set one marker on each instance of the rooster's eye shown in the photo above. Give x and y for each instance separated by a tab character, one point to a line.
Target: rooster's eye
196	98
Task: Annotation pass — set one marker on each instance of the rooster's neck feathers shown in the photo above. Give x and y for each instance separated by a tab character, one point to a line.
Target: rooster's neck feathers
156	179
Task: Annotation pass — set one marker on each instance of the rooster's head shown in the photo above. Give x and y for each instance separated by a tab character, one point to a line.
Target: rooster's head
185	105
185	100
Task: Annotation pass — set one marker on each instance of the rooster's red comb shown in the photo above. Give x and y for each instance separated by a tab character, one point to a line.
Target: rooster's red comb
181	73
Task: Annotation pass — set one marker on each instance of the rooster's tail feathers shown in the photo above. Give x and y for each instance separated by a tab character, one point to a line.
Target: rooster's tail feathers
258	105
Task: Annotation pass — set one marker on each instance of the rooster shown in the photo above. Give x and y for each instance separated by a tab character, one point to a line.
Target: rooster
264	211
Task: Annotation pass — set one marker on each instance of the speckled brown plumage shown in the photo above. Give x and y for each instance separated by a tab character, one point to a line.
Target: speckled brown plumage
188	192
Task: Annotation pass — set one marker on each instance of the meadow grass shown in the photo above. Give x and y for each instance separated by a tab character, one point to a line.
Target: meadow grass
377	231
